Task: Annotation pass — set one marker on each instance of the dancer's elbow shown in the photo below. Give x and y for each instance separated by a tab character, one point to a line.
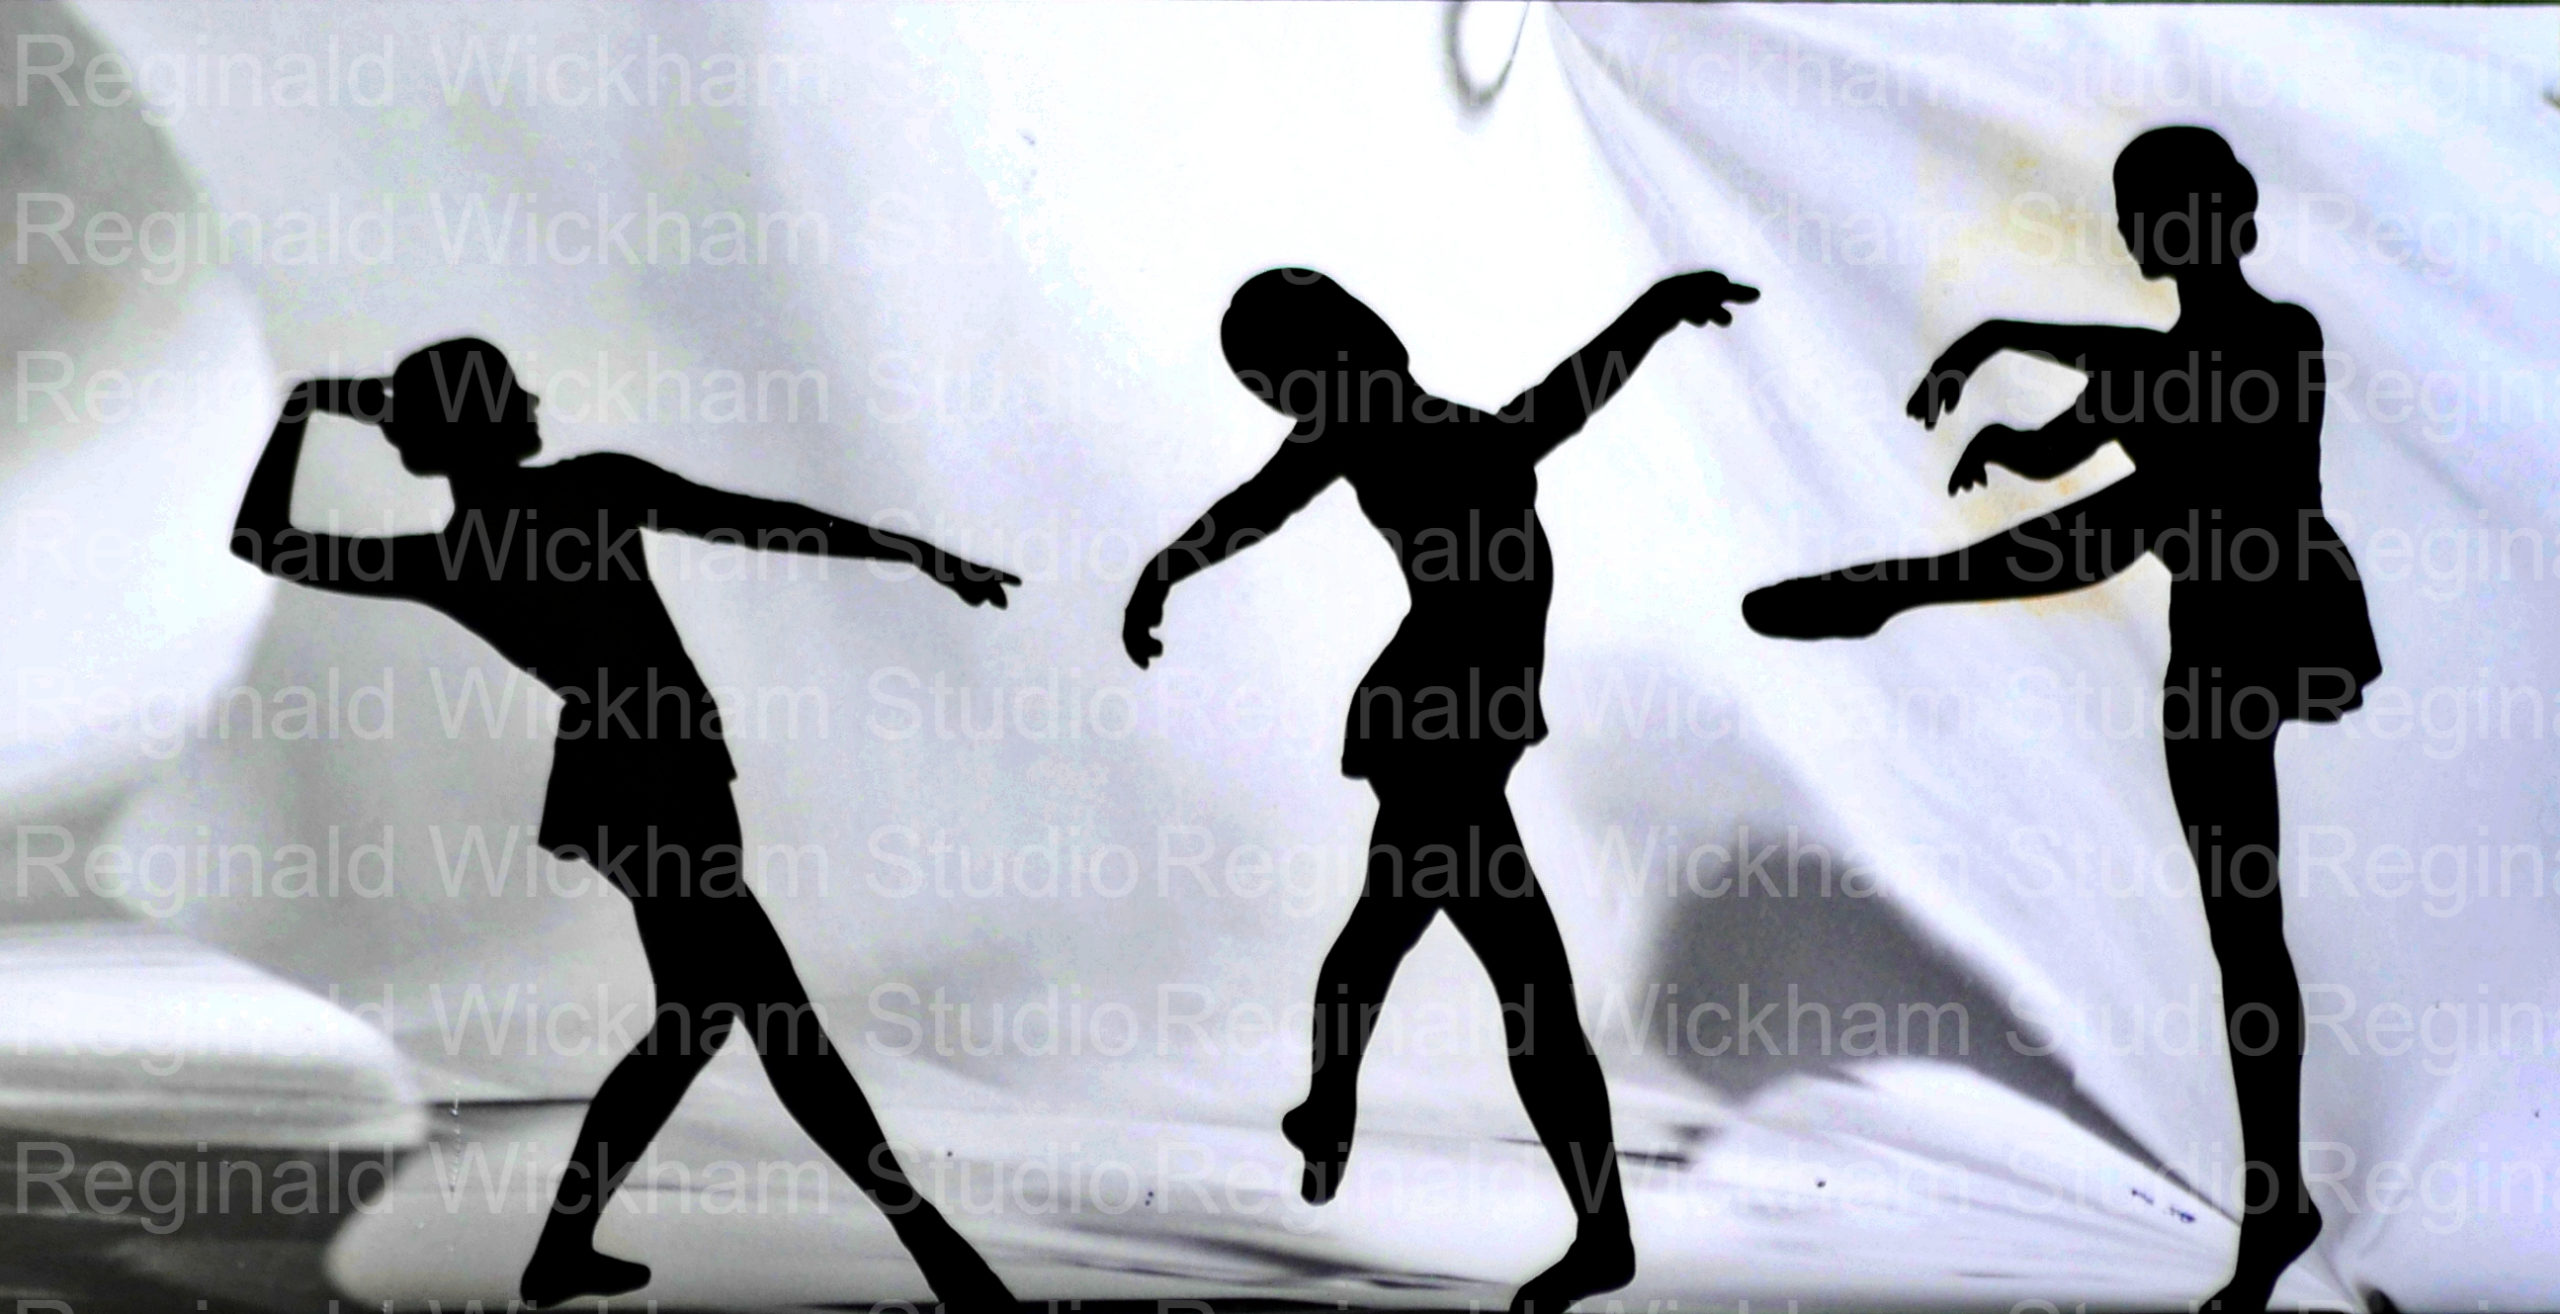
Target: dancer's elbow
249	543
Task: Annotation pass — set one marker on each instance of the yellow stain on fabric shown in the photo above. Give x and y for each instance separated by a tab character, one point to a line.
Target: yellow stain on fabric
2025	230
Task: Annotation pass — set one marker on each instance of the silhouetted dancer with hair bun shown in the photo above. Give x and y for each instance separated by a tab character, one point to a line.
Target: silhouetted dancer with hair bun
2221	416
1449	706
545	563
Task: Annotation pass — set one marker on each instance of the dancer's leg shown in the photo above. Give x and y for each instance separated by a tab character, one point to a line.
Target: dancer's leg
2226	795
1506	919
2085	543
626	1114
1351	987
690	843
815	1085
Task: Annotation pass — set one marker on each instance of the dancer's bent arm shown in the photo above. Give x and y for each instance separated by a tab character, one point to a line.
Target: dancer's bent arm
2048	451
2088	347
263	534
1302	468
1558	407
674	503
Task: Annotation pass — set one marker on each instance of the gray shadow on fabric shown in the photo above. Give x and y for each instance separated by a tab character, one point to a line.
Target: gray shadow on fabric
222	1260
1773	915
1474	97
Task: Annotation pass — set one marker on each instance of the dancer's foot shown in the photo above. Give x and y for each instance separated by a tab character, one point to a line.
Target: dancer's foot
958	1274
1817	607
1594	1264
1324	1137
2268	1246
965	1285
567	1271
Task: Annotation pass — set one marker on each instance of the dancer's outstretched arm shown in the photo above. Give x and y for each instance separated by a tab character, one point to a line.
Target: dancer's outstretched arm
1558	407
263	534
1302	468
2090	347
674	503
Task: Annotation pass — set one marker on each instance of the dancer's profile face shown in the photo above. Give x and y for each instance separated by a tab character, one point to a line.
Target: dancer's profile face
2184	202
457	405
2137	224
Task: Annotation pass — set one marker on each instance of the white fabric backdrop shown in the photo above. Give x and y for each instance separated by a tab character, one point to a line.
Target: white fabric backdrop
1017	228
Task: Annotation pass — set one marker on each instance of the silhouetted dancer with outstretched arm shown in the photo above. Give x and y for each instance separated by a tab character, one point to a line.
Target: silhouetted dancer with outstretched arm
1449	706
545	563
2221	416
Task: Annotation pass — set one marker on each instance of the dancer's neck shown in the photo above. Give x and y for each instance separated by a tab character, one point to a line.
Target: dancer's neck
2212	287
486	486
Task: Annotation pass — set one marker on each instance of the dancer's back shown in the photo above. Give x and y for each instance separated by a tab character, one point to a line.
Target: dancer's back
556	579
1457	501
2226	410
2223	425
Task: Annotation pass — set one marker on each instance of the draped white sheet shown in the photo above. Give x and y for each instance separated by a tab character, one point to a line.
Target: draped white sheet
1016	230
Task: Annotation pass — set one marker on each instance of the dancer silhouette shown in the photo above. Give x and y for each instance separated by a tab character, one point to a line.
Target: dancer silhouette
2221	416
545	563
1448	708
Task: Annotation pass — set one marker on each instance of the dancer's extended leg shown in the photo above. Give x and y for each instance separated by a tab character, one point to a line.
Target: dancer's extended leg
1350	989
2087	542
2226	795
1514	934
813	1082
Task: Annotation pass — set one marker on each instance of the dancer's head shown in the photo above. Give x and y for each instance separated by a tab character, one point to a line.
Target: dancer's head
2184	202
1288	331
457	404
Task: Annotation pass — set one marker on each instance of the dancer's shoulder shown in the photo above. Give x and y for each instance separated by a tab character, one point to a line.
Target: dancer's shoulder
605	477
598	465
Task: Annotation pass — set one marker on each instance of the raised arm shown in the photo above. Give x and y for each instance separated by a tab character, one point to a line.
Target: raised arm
1558	407
2088	347
263	534
676	504
1302	468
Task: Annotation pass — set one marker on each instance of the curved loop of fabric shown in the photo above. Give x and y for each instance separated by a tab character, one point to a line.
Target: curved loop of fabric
1474	97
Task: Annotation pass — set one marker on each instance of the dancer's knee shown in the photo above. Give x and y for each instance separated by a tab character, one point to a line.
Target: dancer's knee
789	1030
687	1031
1539	1021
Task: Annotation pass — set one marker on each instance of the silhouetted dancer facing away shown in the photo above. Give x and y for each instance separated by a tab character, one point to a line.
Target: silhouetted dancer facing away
545	563
2221	416
1449	706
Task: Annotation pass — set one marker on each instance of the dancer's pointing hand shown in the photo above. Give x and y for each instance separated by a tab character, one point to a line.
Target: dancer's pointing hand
1702	297
979	585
